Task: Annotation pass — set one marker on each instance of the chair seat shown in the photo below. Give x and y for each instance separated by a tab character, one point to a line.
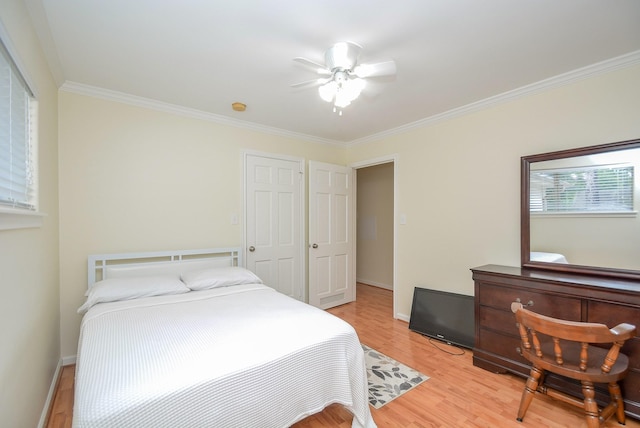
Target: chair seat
571	366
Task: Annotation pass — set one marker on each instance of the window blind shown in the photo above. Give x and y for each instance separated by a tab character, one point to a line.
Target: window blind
601	188
17	157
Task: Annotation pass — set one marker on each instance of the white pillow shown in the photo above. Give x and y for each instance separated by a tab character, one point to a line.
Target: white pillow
219	277
114	289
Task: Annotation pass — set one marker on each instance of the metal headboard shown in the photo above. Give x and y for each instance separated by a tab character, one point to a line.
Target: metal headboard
99	265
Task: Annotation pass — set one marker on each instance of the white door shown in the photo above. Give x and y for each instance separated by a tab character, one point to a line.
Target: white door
331	235
274	242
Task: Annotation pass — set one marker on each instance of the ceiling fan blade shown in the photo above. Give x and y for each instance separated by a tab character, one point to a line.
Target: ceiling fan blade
386	68
310	83
318	68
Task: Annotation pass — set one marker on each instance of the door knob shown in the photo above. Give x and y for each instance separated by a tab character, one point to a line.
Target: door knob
314	246
252	248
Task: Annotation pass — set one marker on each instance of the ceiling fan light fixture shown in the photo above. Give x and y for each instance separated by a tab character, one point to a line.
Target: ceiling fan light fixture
342	55
342	100
353	87
346	76
328	91
342	93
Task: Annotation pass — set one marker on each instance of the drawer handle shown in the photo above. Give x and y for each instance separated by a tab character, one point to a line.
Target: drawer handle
529	303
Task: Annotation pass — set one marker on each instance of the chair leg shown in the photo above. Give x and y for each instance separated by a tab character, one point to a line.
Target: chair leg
530	388
590	405
616	396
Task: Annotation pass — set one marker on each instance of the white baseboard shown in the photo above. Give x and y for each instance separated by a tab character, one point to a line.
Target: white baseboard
67	361
403	317
375	283
49	401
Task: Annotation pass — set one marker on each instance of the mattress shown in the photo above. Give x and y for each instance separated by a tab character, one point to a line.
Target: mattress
239	356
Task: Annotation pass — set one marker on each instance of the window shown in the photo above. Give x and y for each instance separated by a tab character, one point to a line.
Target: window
18	183
592	189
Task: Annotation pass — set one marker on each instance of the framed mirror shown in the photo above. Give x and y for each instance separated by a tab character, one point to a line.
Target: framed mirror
579	210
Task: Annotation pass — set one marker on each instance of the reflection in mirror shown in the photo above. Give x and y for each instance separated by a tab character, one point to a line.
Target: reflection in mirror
579	210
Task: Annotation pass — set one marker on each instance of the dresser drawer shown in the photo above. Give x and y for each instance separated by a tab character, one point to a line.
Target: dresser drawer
500	344
612	315
631	386
546	304
498	320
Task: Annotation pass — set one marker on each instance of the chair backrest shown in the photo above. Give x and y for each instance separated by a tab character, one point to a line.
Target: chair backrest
563	347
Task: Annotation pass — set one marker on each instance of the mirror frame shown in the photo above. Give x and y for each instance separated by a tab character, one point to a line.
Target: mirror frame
525	238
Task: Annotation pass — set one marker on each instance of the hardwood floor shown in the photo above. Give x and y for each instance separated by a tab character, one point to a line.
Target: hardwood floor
456	395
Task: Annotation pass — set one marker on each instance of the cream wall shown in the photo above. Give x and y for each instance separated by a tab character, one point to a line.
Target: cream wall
29	283
374	253
458	181
138	179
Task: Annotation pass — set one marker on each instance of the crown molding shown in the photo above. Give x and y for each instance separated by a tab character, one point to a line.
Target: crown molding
121	97
624	61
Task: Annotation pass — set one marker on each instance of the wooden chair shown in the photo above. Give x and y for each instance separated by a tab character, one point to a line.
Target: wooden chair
564	348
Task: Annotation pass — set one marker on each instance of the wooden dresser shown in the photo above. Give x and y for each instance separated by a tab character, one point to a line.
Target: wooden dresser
561	295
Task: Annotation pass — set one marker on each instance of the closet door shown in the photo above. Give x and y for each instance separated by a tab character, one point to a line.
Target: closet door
274	239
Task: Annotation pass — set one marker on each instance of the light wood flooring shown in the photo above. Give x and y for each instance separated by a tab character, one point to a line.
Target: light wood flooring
456	395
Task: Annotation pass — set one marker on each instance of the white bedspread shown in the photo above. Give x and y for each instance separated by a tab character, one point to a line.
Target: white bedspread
241	356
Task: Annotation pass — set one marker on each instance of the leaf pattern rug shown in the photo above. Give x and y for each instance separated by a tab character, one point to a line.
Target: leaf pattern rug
388	379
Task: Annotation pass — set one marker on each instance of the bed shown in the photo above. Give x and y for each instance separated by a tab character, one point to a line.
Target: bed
191	339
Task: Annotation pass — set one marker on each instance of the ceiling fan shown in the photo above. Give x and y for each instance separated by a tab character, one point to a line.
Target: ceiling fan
344	79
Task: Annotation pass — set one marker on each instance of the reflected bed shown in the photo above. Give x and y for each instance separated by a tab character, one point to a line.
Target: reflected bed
538	256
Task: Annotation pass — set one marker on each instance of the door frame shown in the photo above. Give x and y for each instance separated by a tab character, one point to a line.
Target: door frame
392	158
303	209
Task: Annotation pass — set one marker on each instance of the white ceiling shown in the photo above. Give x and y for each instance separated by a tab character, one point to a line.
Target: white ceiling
203	55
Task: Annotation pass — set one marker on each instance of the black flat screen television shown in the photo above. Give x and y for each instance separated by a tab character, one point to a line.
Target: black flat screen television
448	317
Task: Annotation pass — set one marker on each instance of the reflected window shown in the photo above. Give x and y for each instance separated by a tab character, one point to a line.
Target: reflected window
576	190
